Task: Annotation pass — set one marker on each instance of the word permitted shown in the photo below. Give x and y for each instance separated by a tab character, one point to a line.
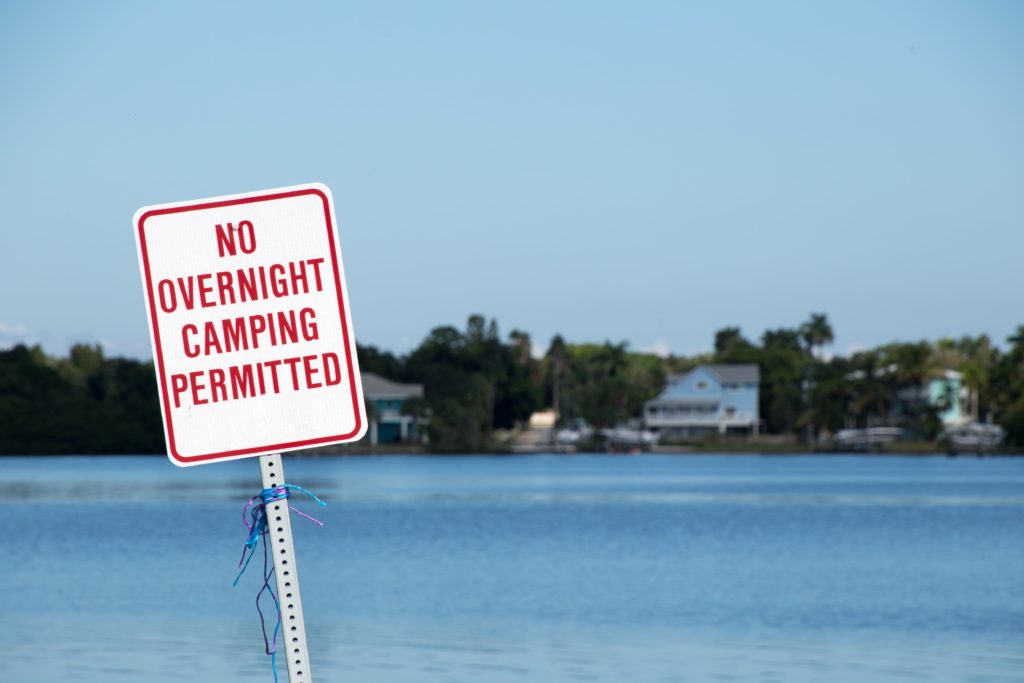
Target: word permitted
250	325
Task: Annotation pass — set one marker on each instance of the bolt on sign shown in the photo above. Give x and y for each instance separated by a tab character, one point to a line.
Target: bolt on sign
249	316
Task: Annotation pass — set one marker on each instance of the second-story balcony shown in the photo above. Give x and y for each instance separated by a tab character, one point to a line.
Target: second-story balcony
693	414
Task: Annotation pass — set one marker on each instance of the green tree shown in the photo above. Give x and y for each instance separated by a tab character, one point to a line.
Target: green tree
831	394
978	359
782	363
556	363
606	384
82	404
816	332
1007	380
474	383
729	342
383	363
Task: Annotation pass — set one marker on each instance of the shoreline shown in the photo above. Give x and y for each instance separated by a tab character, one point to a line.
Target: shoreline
670	450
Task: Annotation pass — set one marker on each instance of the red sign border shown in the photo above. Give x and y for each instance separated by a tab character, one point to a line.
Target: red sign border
271	448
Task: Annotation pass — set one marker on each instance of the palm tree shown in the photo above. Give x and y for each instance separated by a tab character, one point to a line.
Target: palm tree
1017	341
816	332
557	355
976	365
873	391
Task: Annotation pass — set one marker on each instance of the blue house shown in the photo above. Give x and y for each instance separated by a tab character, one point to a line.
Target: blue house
710	399
384	401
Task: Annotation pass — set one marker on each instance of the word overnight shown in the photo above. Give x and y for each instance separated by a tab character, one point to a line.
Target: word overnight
240	285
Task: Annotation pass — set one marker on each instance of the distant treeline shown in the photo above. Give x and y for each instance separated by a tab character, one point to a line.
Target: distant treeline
84	403
477	382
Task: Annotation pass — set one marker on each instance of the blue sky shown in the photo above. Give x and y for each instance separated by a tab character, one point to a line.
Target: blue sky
637	171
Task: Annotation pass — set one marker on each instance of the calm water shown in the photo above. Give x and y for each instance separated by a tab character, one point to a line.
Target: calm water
488	570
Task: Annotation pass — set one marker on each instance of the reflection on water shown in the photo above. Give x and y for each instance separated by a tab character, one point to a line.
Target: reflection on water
528	569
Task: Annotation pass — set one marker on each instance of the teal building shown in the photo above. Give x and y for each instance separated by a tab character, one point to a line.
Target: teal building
385	400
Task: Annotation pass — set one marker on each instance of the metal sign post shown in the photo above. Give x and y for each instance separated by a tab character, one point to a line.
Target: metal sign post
279	529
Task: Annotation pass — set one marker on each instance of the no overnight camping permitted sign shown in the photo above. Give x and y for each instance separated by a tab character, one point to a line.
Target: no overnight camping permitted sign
249	316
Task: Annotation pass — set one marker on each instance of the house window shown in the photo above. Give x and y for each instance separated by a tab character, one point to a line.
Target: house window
701	385
730	411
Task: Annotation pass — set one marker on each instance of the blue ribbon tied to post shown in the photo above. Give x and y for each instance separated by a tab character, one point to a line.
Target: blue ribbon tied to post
254	516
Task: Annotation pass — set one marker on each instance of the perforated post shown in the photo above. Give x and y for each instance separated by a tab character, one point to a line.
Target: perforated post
279	529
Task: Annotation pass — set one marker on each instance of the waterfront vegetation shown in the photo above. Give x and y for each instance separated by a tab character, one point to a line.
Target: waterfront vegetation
479	383
85	403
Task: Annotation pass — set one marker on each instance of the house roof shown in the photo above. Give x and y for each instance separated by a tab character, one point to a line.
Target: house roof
377	387
746	372
739	373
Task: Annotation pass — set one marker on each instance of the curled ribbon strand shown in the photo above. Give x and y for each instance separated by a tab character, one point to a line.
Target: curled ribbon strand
254	516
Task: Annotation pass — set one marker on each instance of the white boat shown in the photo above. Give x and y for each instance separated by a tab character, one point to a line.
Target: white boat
571	436
629	437
865	438
973	437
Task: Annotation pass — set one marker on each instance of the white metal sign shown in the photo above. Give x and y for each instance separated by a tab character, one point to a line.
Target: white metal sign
252	338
